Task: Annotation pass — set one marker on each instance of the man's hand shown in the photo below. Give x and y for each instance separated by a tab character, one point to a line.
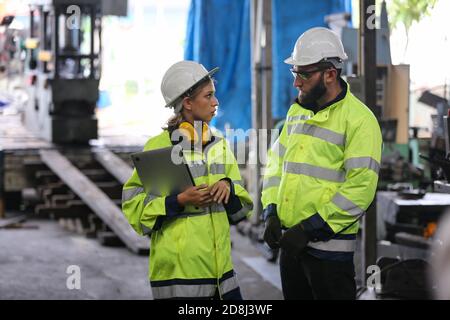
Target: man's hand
220	191
272	232
294	240
198	196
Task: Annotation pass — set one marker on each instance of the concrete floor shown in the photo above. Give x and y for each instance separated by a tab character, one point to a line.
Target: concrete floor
34	262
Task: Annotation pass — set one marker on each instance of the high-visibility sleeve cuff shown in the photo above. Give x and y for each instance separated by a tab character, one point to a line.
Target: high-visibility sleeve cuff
234	203
317	228
173	208
269	211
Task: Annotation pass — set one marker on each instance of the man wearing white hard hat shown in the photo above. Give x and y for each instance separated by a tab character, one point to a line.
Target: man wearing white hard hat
322	174
190	251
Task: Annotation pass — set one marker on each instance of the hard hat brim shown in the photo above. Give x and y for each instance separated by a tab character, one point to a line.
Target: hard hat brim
290	61
210	73
294	62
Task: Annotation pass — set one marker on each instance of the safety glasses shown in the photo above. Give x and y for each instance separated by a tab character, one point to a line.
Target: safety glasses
305	75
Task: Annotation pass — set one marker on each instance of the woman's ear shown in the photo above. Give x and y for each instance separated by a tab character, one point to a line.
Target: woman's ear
187	103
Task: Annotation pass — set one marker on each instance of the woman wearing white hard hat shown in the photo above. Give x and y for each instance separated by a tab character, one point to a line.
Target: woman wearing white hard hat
190	252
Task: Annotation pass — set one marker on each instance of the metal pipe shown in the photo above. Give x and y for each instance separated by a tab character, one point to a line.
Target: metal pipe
92	18
267	67
253	166
56	41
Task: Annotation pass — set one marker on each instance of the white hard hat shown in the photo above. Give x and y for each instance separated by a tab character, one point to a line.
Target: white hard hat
316	45
181	77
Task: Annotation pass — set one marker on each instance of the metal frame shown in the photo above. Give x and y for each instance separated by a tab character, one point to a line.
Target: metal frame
261	60
368	72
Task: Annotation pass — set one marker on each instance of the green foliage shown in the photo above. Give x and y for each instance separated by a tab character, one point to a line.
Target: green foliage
407	12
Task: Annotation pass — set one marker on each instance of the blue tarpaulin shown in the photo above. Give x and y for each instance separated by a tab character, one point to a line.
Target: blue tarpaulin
218	34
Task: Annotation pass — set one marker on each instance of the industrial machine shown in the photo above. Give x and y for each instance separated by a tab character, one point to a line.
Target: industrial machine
439	151
64	67
407	219
61	176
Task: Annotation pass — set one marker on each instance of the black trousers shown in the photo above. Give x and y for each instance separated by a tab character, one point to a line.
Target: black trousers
309	278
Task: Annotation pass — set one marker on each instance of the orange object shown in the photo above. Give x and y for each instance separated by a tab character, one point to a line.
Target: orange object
429	230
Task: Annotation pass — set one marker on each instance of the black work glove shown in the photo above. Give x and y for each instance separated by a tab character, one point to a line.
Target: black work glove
294	240
272	232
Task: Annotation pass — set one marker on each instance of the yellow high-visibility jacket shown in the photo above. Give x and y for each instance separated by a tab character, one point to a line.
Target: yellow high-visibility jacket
190	251
323	173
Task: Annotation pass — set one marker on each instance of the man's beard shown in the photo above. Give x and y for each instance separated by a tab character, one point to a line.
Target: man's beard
314	94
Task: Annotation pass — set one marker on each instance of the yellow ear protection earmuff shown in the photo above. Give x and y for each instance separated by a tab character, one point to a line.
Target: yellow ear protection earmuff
188	130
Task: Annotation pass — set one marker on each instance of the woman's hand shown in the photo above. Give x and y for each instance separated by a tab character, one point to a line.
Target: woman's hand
220	191
198	196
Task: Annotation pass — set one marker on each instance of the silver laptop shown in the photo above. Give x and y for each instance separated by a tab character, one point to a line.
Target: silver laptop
159	174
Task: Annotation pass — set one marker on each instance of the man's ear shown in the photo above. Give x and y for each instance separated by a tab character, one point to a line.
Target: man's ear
330	76
187	103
